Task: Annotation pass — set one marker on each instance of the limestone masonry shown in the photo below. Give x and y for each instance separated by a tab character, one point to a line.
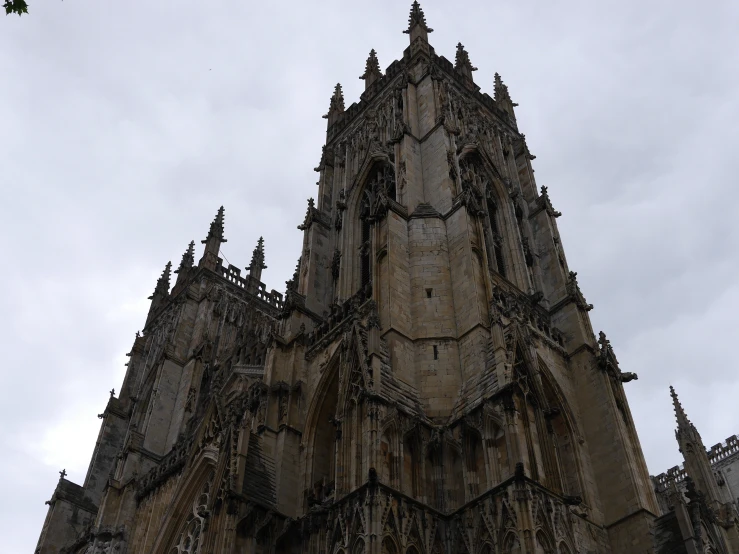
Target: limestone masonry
430	382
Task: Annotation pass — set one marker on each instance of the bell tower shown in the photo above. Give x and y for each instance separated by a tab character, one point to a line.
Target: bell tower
445	336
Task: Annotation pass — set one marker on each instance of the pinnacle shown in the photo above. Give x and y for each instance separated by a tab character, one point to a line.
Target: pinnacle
682	418
163	281
216	227
337	100
188	258
417	17
257	257
462	59
372	68
501	89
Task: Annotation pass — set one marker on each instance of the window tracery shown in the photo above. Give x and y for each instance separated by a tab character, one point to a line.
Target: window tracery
191	537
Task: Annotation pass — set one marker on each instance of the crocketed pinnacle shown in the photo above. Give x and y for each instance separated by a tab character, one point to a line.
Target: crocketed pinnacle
188	258
501	89
462	60
372	68
216	228
163	281
257	257
337	100
683	423
417	18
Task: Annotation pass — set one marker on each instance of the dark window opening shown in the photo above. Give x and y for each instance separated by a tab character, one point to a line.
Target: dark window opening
364	253
429	292
497	238
436	352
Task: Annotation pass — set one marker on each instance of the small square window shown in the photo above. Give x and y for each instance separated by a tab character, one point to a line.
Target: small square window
429	292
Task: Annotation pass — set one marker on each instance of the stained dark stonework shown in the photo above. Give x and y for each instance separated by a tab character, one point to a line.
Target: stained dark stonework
430	383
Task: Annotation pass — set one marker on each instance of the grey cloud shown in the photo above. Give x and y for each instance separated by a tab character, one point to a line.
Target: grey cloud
126	126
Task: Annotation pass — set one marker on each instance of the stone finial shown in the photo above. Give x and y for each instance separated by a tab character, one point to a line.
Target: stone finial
336	105
162	288
683	423
213	243
257	261
62	474
503	98
188	258
216	228
501	89
462	62
372	70
417	23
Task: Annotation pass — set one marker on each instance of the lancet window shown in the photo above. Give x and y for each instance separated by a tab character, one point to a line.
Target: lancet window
476	183
377	194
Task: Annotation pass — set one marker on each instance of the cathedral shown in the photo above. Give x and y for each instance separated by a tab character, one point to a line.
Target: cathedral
429	383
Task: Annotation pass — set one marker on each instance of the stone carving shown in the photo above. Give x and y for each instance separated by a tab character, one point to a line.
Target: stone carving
573	290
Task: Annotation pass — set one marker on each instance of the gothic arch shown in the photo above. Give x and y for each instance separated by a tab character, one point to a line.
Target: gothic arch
563	426
511	543
320	435
389	546
544	543
374	191
563	548
194	498
503	240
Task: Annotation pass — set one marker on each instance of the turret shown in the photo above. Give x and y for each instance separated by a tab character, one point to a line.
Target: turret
161	292
417	27
336	106
697	464
213	243
372	70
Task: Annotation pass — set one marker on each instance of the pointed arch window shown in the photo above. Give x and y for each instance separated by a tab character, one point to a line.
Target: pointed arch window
377	196
475	181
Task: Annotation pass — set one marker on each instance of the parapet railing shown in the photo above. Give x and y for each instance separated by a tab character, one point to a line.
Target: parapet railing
233	275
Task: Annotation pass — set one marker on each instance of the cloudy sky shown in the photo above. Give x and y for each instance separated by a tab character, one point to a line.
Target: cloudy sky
124	125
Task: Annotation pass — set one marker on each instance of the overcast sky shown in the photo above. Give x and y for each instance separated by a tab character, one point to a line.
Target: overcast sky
125	125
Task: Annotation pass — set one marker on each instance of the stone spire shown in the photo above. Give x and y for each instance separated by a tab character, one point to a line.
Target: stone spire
372	70
257	261
697	464
336	106
462	62
684	426
417	23
213	242
503	98
188	260
161	292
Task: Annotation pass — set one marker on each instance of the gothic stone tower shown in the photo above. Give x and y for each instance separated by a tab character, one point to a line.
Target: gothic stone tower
430	384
